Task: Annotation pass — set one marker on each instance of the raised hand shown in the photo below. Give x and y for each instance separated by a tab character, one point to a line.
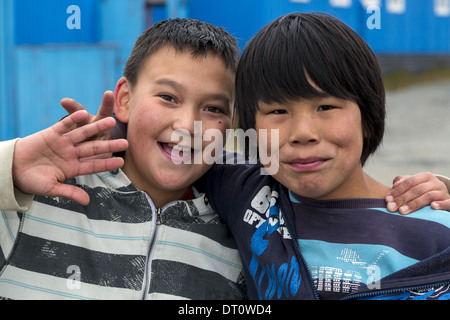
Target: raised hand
44	160
410	193
106	110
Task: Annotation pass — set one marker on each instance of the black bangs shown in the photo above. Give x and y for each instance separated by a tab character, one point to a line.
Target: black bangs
294	54
291	59
292	67
281	76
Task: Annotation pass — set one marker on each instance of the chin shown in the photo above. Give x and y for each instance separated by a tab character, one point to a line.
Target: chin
179	180
312	191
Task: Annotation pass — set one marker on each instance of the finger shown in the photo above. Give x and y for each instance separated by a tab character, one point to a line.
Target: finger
441	205
71	105
415	198
100	165
87	131
107	107
420	196
403	184
398	180
420	202
68	123
425	200
100	147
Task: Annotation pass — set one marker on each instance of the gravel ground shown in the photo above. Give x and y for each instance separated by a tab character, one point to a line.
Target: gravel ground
417	137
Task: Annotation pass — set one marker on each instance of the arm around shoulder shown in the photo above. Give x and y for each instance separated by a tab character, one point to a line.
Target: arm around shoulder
10	197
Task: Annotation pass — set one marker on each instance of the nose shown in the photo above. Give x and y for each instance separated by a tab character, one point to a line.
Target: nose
304	130
184	119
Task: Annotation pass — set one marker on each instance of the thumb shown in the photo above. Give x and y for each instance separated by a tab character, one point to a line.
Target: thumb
72	193
397	181
107	107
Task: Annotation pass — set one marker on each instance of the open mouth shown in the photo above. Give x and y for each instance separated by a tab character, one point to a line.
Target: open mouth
178	154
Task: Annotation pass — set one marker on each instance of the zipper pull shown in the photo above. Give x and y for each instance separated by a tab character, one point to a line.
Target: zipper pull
158	216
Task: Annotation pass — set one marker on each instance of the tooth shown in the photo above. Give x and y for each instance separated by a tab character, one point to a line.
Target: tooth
179	148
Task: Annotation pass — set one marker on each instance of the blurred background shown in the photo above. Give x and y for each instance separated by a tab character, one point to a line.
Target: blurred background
51	49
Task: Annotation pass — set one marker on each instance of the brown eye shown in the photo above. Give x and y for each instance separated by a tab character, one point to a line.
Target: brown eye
279	111
168	98
325	108
214	109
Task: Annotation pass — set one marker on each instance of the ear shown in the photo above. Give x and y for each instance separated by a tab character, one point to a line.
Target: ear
122	96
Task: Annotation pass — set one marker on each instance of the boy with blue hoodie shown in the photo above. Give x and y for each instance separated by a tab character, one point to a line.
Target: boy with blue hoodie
318	228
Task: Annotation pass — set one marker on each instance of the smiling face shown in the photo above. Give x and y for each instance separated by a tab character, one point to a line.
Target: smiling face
173	90
320	146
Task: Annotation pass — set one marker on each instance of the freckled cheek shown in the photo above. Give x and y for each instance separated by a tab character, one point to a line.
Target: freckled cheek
276	138
144	129
349	141
263	130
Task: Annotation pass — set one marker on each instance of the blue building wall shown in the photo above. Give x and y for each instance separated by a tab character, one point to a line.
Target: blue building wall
416	30
7	107
39	22
42	60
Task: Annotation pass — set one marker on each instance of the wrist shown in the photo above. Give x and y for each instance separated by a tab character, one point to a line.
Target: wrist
15	165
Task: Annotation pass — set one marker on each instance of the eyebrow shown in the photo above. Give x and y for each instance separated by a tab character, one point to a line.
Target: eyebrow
167	82
218	96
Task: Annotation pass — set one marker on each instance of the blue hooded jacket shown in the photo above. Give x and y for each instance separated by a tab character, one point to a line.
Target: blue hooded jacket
280	236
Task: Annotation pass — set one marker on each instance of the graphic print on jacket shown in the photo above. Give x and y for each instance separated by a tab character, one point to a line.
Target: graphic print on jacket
275	281
271	226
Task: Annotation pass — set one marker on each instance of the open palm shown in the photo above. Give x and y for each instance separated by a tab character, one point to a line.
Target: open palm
44	160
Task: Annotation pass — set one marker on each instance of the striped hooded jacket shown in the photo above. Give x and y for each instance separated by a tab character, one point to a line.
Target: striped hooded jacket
120	246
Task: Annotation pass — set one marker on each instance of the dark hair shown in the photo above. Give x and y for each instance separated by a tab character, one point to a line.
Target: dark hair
198	36
275	65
